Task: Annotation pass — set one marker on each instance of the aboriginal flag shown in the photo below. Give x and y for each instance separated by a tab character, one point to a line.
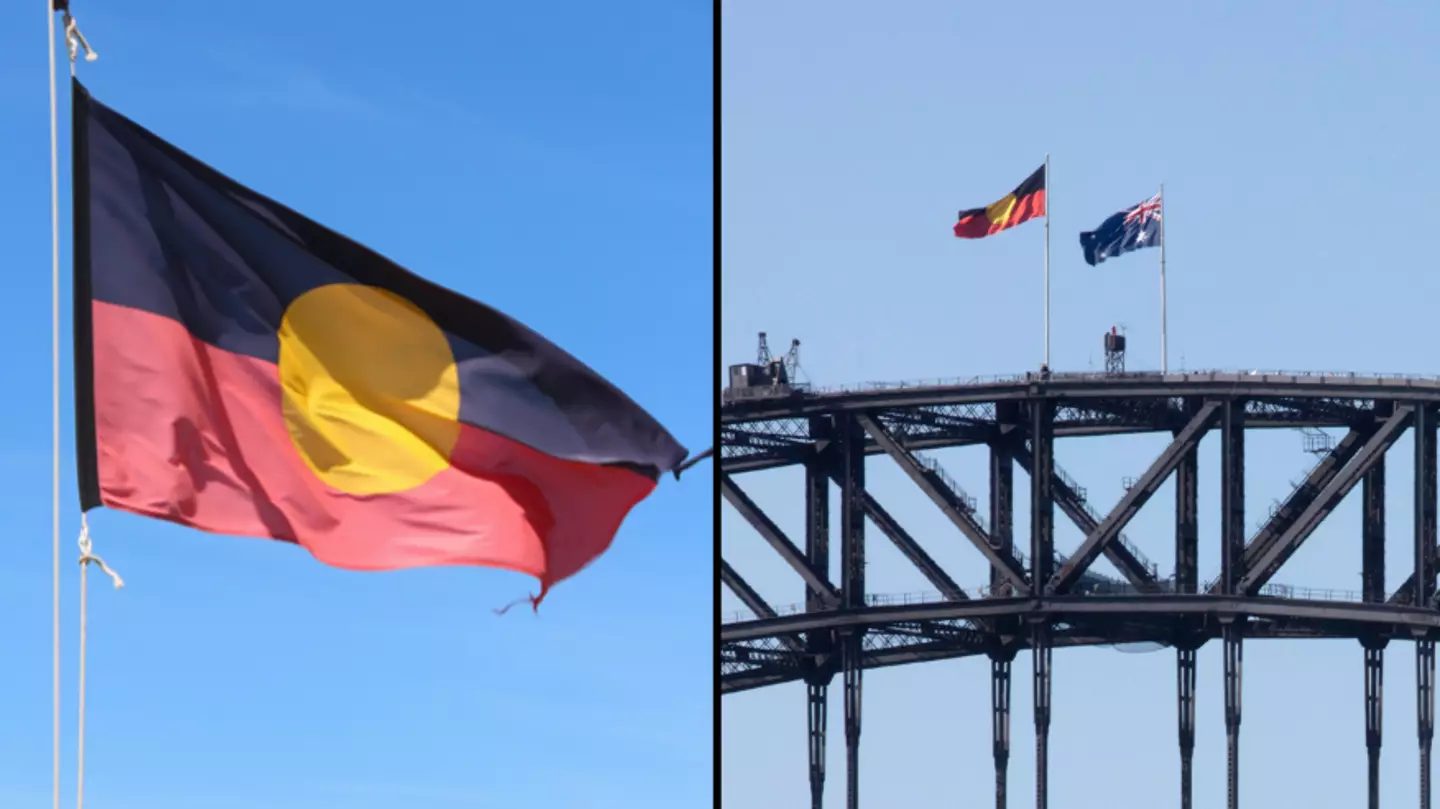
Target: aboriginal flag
243	370
1026	202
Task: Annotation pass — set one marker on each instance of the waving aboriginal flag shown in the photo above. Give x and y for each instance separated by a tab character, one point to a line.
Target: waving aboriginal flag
243	370
1026	202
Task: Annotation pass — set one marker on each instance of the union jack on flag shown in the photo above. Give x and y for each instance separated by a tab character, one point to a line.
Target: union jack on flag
1143	212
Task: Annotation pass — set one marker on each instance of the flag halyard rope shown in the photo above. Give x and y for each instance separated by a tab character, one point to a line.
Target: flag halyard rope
74	43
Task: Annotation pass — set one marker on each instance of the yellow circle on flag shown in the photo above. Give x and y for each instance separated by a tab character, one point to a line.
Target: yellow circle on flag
371	394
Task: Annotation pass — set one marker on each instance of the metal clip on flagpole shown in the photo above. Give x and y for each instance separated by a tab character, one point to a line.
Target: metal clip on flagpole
76	42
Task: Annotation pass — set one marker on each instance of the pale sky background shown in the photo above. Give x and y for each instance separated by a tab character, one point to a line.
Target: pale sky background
1295	141
552	159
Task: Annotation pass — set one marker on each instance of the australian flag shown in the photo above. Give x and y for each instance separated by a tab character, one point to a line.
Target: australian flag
1130	229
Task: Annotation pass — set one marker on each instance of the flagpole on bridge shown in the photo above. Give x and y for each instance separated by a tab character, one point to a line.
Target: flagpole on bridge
1047	261
1164	348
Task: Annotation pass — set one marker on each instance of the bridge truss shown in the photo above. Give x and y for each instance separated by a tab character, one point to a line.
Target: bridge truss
1039	599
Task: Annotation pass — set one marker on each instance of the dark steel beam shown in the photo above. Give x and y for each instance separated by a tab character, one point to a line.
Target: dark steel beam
1326	499
851	446
1372	534
1087	387
820	644
1232	495
1042	500
1372	575
911	549
744	456
1002	507
962	520
933	650
1071	504
1131	502
1353	614
1424	587
1424	575
1424	505
772	534
1187	519
818	472
742	589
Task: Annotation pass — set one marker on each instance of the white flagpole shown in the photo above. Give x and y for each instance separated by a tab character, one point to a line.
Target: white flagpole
1164	349
1047	261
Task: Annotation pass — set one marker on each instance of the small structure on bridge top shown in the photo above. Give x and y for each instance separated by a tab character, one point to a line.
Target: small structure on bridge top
768	375
1114	352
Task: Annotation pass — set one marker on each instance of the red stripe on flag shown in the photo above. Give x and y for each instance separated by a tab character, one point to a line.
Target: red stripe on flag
193	434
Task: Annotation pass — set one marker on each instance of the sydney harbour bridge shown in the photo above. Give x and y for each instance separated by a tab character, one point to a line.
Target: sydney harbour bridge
1039	598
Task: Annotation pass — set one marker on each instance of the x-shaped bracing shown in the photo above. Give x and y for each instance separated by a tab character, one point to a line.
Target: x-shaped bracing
1070	502
1101	536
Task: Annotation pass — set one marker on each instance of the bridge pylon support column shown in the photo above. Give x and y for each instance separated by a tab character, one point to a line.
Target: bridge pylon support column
1187	542
1042	654
1000	719
1374	683
1425	711
1372	573
1234	659
820	645
1185	659
852	677
818	698
1424	593
852	594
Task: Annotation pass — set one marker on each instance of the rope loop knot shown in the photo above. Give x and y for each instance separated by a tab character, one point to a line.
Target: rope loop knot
88	558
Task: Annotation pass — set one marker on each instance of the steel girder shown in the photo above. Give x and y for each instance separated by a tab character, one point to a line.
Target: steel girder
751	442
1359	615
768	663
1092	387
748	446
843	631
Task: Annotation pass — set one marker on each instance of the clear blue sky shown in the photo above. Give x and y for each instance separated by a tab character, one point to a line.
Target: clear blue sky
554	160
1296	144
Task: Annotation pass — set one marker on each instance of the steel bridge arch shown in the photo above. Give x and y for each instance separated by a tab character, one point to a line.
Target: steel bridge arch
1042	600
